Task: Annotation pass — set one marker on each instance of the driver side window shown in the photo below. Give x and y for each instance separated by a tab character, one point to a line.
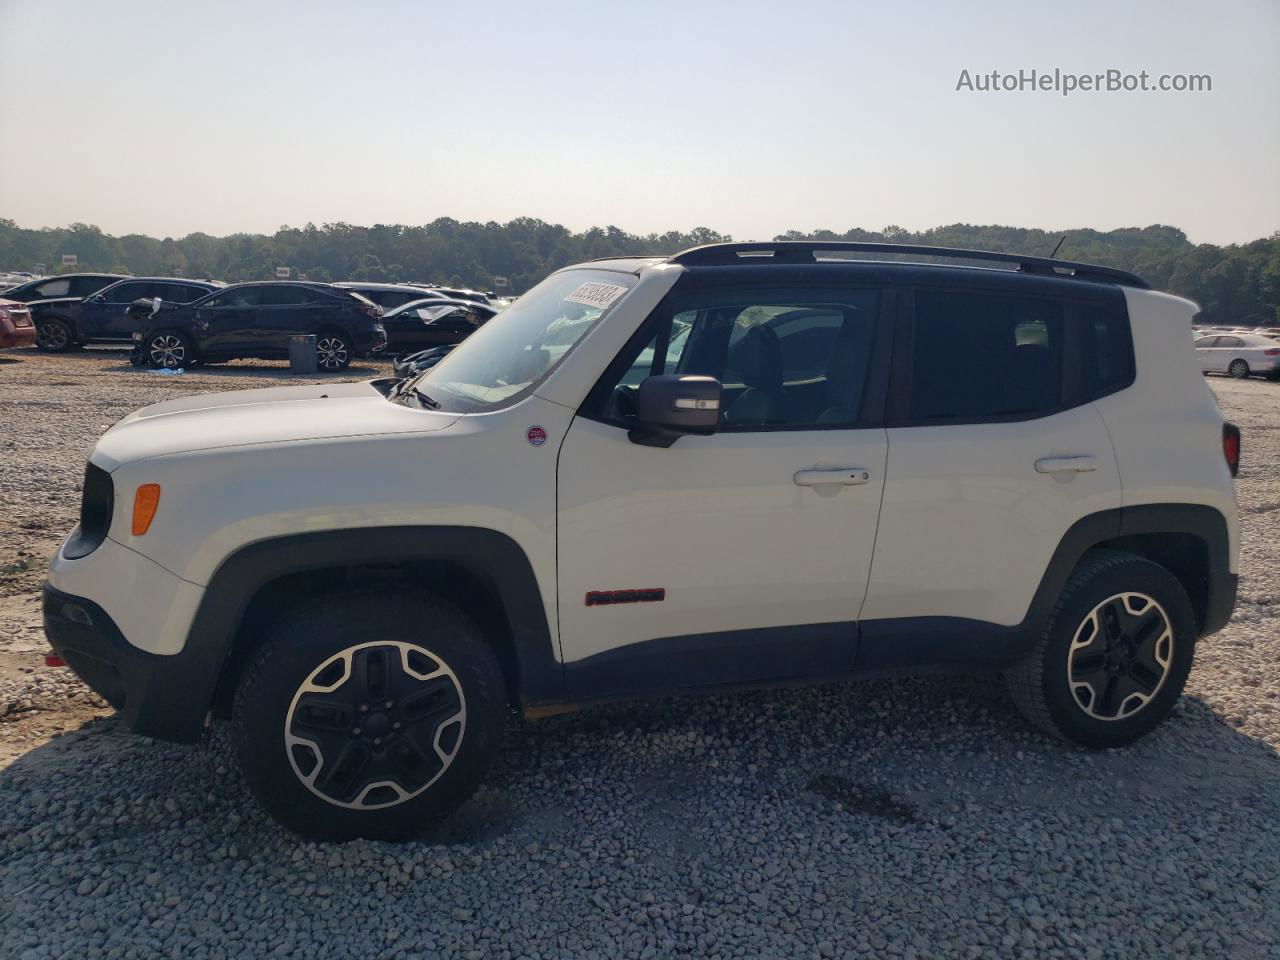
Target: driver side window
785	359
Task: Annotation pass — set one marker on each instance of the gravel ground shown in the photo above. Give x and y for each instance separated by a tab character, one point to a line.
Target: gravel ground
883	819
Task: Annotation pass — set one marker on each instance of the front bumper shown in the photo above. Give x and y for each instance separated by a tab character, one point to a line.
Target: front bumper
150	692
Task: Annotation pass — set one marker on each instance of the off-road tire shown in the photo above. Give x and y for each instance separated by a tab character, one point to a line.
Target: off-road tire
1042	684
283	671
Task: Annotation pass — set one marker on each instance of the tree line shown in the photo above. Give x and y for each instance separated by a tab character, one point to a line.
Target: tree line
1236	284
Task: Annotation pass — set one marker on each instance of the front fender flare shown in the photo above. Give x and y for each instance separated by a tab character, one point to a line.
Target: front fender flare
492	557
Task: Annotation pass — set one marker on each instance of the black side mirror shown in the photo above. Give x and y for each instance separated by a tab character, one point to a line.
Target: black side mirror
670	406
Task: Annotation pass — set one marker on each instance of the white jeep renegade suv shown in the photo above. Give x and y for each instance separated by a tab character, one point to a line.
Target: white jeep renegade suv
740	465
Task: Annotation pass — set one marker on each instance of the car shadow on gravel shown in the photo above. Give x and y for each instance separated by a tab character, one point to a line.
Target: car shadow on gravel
904	754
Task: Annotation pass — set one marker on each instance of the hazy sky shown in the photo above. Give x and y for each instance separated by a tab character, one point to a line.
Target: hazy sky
750	118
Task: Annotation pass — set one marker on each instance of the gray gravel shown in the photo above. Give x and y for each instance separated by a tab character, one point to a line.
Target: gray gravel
890	819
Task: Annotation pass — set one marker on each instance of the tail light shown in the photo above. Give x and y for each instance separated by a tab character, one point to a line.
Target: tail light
1271	352
1231	447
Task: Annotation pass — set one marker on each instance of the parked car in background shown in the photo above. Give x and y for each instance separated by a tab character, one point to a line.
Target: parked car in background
460	294
16	329
68	285
256	320
1239	355
103	317
432	323
388	295
414	363
14	278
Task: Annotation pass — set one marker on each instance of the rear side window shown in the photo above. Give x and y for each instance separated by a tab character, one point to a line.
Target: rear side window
979	357
285	296
129	292
239	297
181	292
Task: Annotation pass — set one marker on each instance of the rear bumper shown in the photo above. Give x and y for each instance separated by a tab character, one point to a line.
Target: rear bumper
11	336
150	692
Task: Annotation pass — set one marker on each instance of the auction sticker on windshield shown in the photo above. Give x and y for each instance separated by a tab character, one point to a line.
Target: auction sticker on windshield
596	294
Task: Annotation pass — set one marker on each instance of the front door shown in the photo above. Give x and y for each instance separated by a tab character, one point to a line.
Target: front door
227	324
104	316
740	557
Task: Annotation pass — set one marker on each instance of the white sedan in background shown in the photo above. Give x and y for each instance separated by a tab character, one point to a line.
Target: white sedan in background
1239	354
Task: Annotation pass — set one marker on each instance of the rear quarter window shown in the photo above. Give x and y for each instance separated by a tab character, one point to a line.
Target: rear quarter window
1107	353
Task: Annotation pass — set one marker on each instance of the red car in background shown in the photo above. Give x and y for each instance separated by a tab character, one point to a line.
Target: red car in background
16	328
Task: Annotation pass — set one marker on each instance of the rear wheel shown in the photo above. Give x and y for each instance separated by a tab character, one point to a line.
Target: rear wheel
54	335
369	716
1238	369
333	351
1115	656
169	349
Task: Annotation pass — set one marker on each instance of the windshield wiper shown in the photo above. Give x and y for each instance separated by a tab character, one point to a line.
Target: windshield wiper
425	400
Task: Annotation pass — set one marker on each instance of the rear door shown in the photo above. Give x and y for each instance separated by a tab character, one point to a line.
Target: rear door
995	450
1227	348
286	311
1206	355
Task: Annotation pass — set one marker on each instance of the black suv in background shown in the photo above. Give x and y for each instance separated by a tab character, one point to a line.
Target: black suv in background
256	320
425	323
387	295
103	317
66	285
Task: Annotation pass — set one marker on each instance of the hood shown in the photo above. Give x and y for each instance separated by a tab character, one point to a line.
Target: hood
248	417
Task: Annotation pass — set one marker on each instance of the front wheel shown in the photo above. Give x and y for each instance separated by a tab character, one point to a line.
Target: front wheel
333	351
1115	656
369	716
1238	369
169	349
54	335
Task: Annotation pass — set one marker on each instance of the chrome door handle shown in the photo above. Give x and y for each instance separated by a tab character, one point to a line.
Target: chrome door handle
1066	465
845	476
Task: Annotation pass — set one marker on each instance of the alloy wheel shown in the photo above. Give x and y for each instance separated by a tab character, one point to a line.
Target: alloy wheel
1120	656
52	335
331	353
1238	369
167	350
375	725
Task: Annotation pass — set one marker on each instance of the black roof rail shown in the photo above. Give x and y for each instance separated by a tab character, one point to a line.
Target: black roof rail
805	251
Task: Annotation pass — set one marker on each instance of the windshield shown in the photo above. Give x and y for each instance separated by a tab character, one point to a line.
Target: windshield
508	357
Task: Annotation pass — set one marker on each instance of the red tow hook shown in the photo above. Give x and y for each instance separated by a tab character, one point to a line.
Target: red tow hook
51	659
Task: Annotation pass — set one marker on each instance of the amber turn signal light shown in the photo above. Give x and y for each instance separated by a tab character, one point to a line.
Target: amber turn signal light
145	502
